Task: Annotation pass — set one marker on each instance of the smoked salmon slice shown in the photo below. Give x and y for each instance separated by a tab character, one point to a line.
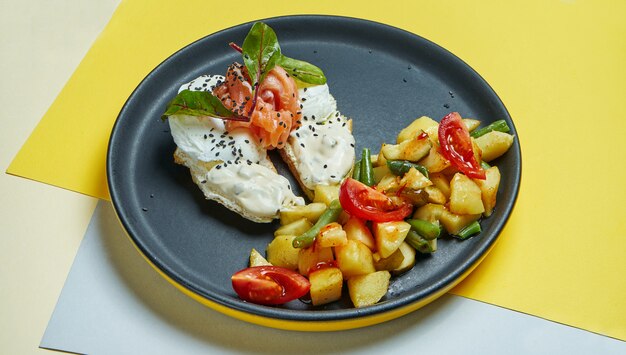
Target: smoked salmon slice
277	109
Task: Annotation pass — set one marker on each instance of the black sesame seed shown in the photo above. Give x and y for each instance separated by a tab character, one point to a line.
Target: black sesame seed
247	141
332	176
203	182
303	99
325	166
205	136
144	209
302	144
304	89
218	167
404	80
277	114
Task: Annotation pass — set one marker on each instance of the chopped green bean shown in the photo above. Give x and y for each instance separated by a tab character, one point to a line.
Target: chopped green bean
356	172
425	229
367	172
401	167
499	126
469	230
420	243
307	238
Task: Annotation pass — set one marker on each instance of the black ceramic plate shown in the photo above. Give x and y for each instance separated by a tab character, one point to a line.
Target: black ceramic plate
382	77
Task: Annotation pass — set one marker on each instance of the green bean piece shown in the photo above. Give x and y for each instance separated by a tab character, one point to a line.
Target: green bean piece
367	172
420	243
484	165
425	229
356	172
307	238
469	230
401	167
499	126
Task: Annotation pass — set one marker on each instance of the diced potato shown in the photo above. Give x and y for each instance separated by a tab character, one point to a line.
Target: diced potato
471	124
366	290
465	196
326	193
430	212
312	212
489	189
442	183
356	229
308	258
408	254
380	172
453	223
389	263
494	144
354	258
435	195
412	130
326	285
296	227
331	235
280	252
433	134
389	236
414	180
434	161
256	259
388	183
380	158
412	149
478	153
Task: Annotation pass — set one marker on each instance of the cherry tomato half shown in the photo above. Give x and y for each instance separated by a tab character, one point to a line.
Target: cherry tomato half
456	146
364	202
269	285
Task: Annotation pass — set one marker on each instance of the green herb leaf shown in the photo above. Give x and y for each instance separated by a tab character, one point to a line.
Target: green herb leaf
199	103
261	51
303	71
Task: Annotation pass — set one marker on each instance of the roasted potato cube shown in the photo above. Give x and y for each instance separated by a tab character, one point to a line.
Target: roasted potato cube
435	195
389	236
453	223
441	182
489	189
280	252
471	124
412	130
309	258
380	172
326	285
354	258
380	158
434	161
326	193
366	290
430	212
494	144
331	235
312	212
413	149
256	259
296	227
465	196
414	180
408	261
389	263
389	183
356	229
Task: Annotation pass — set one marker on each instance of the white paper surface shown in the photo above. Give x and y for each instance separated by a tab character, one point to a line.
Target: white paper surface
113	302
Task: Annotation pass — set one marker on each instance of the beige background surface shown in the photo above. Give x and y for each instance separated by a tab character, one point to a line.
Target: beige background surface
41	43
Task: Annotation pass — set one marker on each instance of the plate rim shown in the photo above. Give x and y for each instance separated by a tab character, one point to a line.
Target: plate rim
336	319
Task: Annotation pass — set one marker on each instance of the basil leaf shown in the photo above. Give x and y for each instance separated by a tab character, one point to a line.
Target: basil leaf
198	103
261	51
303	71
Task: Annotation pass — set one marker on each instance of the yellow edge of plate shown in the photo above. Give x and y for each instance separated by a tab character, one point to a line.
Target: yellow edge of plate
309	326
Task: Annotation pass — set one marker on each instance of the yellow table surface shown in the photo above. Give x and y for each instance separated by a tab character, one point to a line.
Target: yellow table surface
559	67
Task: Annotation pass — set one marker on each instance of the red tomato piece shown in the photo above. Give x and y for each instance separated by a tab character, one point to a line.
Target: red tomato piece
362	201
269	285
456	146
